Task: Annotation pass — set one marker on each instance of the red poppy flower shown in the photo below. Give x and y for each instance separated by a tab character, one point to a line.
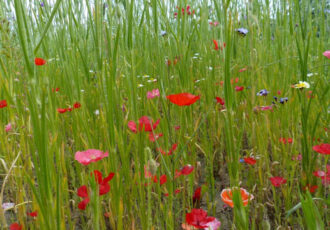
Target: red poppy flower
83	192
153	137
187	169
33	214
232	81
162	179
239	88
3	103
322	148
277	181
147	123
250	160
170	152
177	127
198	218
104	186
197	195
83	204
76	105
132	126
220	100
15	226
55	90
39	61
216	46
60	110
312	189
183	99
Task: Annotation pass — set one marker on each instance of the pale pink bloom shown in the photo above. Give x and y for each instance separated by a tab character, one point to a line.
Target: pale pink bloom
89	156
8	127
327	54
213	225
263	108
152	94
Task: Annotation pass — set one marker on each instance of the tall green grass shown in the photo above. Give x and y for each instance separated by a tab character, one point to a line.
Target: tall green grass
99	53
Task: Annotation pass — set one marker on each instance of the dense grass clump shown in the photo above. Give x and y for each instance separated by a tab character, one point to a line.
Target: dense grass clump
123	114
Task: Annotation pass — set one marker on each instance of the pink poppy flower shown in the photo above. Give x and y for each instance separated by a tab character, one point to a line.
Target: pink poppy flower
152	94
277	181
148	124
239	88
132	126
242	70
8	127
89	156
322	149
326	54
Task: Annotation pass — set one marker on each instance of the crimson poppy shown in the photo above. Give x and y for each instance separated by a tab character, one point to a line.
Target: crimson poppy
216	46
183	99
198	218
76	105
15	226
83	192
239	88
39	61
170	152
3	103
147	123
187	169
61	110
250	160
104	186
33	214
322	149
162	179
277	181
220	100
197	195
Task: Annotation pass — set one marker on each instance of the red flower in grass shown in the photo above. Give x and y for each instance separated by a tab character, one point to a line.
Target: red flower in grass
242	70
39	61
76	105
162	179
220	100
83	192
15	226
132	126
198	218
60	110
103	183
284	140
3	103
216	46
325	176
277	181
170	152
153	137
250	160
197	195
56	89
312	189
148	124
145	123
183	99
33	214
89	156
239	88
227	196
322	149
187	169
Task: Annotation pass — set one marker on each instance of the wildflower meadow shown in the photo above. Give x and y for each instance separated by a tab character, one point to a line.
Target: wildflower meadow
164	114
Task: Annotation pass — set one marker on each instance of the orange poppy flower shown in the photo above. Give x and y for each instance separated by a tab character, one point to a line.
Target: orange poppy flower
227	196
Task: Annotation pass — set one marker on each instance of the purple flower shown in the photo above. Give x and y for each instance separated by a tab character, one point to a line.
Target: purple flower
42	4
283	100
263	92
242	31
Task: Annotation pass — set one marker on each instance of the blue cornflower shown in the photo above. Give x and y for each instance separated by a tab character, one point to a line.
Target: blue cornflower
263	92
242	31
283	100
